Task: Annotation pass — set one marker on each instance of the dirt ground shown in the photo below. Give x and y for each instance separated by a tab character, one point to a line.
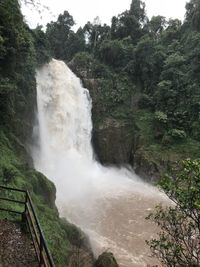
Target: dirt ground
16	247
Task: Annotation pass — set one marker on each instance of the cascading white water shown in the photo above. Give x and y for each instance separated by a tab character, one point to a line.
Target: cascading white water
109	204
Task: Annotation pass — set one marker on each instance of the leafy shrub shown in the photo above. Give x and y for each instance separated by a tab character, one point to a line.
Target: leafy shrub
145	101
196	130
178	239
100	70
177	134
112	53
161	117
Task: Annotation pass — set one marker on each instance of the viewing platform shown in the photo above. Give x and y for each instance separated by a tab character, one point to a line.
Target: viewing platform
22	242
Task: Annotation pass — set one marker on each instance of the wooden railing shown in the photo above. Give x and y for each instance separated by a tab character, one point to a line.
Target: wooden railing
25	208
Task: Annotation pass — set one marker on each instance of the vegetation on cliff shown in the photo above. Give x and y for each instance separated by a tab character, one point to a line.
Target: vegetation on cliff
142	72
21	51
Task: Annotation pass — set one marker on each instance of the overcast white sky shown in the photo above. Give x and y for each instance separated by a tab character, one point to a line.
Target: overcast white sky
86	10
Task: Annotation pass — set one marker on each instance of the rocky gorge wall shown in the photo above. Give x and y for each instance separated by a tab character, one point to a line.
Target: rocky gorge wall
123	132
116	140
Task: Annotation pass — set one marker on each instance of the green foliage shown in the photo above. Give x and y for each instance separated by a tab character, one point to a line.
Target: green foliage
157	25
161	59
14	172
149	63
87	65
177	134
41	45
179	236
58	34
192	48
172	32
161	117
17	68
114	93
129	23
95	34
83	60
195	131
173	136
145	101
144	122
114	53
160	124
76	43
137	9
193	14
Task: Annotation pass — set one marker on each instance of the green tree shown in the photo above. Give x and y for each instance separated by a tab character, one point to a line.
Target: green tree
192	51
58	35
115	53
75	43
193	14
172	90
149	63
157	24
95	34
130	23
17	64
137	9
41	45
178	242
172	32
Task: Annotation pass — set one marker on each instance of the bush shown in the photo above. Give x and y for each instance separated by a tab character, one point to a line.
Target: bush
145	101
112	53
196	130
177	134
178	242
161	117
83	59
160	124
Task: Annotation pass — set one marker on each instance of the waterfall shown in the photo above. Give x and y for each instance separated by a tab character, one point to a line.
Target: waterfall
107	203
64	113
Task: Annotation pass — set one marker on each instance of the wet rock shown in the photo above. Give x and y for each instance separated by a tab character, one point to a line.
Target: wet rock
146	167
106	259
113	142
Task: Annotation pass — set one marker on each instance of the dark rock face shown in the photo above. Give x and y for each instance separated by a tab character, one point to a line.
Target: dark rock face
106	259
113	142
146	168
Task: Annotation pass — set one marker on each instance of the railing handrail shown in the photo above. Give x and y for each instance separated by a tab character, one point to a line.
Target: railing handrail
43	254
12	189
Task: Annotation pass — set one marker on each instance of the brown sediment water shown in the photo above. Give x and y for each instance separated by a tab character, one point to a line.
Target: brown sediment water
119	224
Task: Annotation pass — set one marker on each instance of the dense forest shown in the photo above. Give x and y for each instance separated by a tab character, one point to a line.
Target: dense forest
143	77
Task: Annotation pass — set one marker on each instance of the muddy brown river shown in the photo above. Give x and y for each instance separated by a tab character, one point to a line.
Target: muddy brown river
118	224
